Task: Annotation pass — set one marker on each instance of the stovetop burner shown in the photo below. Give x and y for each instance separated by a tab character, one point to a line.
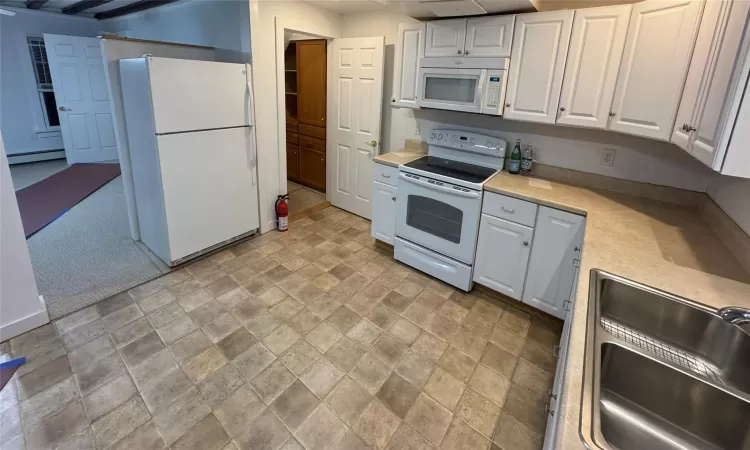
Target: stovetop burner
454	169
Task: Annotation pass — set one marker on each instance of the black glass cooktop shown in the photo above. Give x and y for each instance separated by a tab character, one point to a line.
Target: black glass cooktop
454	169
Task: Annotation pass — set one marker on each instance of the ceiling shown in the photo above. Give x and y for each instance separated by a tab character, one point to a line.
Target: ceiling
422	9
99	9
419	8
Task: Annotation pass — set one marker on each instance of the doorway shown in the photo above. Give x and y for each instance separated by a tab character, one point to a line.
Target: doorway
348	116
305	71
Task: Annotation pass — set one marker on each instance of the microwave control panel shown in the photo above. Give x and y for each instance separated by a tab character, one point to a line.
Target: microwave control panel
493	91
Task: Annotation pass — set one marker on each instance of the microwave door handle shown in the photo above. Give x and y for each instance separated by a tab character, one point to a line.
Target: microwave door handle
480	89
470	194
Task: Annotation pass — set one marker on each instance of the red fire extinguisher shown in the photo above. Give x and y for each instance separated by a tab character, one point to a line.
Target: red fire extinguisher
282	212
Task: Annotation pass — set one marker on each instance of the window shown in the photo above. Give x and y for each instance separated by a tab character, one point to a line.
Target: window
43	81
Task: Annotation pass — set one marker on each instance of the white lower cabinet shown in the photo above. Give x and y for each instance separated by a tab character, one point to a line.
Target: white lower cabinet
556	250
383	227
554	411
502	255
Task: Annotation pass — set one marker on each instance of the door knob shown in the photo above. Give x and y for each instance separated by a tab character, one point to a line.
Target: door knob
507	105
466	52
459	52
393	198
611	114
62	108
562	109
689	128
525	243
372	143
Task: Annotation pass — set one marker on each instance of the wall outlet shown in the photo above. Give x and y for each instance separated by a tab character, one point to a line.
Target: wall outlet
608	157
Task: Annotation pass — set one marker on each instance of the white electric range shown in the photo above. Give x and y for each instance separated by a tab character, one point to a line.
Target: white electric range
440	202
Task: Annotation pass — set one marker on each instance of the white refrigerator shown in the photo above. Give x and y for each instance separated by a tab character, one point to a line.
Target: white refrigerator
192	151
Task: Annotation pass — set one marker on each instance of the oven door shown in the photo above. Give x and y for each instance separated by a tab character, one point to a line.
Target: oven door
438	216
452	89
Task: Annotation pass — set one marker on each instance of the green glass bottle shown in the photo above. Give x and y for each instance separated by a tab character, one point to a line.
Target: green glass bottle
515	159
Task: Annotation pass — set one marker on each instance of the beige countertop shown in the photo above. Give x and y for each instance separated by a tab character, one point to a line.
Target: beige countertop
663	245
394	159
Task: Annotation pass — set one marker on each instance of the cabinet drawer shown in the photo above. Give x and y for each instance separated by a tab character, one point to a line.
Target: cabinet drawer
291	125
313	143
312	131
291	138
385	174
509	208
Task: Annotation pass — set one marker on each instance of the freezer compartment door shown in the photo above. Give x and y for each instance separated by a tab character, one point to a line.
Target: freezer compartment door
209	195
198	95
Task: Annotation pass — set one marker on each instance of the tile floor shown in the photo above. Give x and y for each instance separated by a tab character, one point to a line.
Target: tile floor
302	198
311	339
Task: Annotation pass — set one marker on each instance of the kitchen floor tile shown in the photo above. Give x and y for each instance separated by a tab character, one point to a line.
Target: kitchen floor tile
238	351
429	418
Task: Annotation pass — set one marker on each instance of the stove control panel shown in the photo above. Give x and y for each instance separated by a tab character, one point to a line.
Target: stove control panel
466	141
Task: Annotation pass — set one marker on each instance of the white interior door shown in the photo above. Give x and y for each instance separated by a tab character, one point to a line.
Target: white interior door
80	86
355	96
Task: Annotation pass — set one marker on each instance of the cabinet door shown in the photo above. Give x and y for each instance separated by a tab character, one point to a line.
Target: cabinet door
292	162
540	46
489	36
591	69
383	226
410	48
312	168
558	237
502	255
445	37
311	82
721	82
657	51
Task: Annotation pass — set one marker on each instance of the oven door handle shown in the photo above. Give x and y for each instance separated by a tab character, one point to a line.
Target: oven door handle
470	194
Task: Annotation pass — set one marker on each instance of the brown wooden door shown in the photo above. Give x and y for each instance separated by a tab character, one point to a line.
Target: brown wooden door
311	82
292	162
312	168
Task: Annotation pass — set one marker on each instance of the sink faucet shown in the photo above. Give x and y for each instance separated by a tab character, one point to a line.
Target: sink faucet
736	315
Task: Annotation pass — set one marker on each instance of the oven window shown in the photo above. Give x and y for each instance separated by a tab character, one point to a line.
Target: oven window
454	90
434	217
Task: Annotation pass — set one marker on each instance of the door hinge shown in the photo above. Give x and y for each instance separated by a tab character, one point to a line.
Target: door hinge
577	262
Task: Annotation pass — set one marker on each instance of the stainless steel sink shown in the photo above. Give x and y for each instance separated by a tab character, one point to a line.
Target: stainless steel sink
662	372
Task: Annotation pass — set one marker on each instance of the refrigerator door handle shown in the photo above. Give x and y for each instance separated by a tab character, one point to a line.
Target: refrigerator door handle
251	120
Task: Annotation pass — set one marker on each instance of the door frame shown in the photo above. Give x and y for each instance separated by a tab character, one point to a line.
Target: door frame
281	28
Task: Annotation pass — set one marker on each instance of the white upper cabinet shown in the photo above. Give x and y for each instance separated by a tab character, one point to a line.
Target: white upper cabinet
503	249
558	237
489	36
445	38
657	52
714	85
406	81
540	46
591	69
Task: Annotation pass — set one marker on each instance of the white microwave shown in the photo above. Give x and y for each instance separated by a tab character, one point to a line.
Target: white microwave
475	90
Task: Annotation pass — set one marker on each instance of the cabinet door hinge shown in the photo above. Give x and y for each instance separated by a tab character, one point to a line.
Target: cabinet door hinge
577	262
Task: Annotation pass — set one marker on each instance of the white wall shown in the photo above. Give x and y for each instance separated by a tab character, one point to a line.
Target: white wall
637	159
268	20
21	119
21	308
224	24
733	196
